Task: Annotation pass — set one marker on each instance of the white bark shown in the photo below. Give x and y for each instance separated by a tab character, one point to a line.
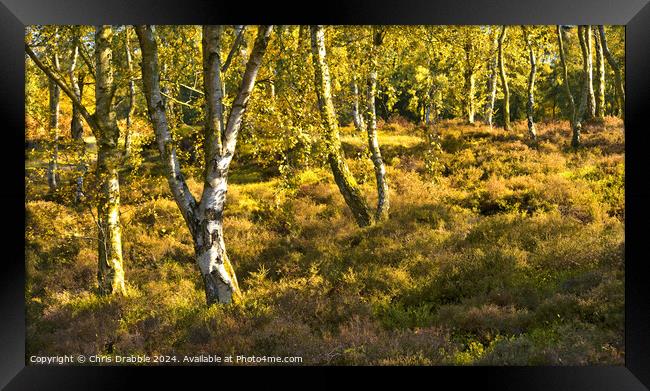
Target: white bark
111	272
373	142
530	106
618	77
205	219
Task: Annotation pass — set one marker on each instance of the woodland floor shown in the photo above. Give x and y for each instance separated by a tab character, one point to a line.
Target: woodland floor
496	253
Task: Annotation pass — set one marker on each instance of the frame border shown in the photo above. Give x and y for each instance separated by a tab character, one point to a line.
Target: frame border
635	14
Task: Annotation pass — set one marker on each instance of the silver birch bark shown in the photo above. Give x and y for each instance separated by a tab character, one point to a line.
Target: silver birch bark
504	82
492	85
343	177
600	78
576	113
131	98
53	126
357	118
530	104
111	272
583	103
76	125
204	219
618	78
383	203
591	98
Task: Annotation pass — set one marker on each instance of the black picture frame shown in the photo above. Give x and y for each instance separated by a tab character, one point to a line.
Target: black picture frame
634	14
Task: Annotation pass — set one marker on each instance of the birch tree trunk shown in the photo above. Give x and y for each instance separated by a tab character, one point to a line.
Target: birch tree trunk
110	273
373	143
76	125
357	118
54	110
344	179
131	99
469	82
530	104
588	60
204	219
586	86
492	85
504	82
618	78
600	79
576	115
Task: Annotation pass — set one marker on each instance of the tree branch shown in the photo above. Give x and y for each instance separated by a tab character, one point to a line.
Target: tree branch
55	77
233	49
247	84
151	83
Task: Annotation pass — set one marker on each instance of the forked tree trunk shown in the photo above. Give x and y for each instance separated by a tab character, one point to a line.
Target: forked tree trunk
530	104
383	203
600	77
204	219
110	271
504	82
618	78
344	179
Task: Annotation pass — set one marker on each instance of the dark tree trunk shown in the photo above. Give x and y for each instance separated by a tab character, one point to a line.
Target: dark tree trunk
344	179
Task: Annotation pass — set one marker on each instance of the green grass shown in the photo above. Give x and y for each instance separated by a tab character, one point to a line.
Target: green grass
500	253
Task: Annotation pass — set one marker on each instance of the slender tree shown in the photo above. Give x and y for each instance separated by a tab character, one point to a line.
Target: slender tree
357	117
600	79
131	98
504	81
618	78
204	219
344	179
53	124
470	78
493	62
373	143
530	104
110	274
589	74
576	113
76	125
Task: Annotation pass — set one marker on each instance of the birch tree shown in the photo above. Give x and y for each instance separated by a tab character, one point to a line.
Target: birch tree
373	143
600	77
589	74
493	62
110	273
53	126
618	78
344	179
76	126
576	113
530	103
504	81
204	218
131	97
